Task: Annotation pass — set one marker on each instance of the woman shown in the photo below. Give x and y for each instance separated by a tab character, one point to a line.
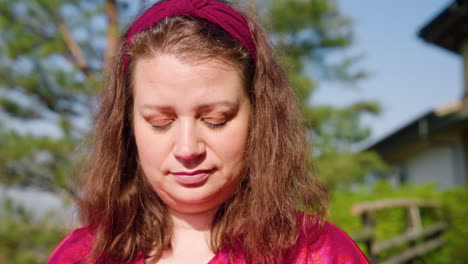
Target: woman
200	153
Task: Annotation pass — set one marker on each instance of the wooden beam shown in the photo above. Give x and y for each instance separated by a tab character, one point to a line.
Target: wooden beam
360	208
75	49
414	218
415	251
112	29
368	219
408	236
464	53
363	235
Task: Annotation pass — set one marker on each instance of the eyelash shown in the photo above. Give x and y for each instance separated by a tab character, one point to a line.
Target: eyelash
162	128
215	126
210	125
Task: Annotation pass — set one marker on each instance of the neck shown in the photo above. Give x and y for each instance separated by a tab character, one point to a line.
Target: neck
199	222
191	239
191	235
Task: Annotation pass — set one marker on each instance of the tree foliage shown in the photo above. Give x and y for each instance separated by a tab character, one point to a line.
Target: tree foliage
25	238
392	222
51	60
52	52
308	34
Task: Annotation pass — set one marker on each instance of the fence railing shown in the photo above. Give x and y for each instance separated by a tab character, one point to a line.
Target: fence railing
419	239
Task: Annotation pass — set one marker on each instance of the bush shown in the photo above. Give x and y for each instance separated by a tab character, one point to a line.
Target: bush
393	222
24	238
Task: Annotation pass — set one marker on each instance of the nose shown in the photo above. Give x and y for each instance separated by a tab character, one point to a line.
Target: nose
188	144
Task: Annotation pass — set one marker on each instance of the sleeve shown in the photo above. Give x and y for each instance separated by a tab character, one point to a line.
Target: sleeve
334	246
74	248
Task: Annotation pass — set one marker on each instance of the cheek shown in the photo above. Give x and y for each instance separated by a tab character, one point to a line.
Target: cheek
149	147
232	145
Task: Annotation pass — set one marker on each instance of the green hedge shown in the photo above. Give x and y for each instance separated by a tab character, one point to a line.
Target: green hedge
392	222
26	241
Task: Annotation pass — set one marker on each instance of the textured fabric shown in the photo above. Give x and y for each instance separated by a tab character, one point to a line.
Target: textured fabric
316	245
213	11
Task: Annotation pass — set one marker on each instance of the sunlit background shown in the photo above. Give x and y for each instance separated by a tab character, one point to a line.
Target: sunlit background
381	85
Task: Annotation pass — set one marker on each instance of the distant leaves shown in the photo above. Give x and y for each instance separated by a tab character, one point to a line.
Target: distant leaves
43	157
63	43
26	240
293	16
312	36
42	79
16	110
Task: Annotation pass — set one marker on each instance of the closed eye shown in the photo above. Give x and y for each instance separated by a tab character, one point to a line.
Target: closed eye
215	122
162	124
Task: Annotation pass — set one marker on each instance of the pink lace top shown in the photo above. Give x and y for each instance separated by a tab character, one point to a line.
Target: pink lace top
326	245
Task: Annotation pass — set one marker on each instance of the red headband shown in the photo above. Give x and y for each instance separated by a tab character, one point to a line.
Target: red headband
213	11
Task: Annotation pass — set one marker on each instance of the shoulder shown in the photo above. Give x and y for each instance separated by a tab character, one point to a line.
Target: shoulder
323	242
74	248
344	249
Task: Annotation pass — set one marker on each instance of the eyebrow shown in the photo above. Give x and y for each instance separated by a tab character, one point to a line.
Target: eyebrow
199	107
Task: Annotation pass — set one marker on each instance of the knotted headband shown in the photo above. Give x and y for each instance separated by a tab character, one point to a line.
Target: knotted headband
211	10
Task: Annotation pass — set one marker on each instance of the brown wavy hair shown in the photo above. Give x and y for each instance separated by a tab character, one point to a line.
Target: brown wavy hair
261	218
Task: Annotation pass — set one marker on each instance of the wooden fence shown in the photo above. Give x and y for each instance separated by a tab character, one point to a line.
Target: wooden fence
419	239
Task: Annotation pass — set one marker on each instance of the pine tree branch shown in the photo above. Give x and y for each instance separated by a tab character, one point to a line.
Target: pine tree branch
77	55
75	49
112	30
7	14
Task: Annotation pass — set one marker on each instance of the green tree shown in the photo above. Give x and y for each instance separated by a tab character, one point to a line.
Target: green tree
51	60
308	33
25	238
52	54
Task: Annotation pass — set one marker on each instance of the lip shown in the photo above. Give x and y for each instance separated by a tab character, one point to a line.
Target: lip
192	177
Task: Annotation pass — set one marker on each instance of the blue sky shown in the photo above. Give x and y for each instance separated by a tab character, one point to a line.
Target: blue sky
409	76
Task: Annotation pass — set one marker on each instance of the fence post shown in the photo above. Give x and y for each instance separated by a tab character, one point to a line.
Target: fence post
368	220
413	218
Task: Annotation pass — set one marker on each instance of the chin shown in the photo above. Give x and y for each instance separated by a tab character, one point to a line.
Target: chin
194	201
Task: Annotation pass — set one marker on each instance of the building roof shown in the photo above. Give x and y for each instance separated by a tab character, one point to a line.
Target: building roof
449	28
448	118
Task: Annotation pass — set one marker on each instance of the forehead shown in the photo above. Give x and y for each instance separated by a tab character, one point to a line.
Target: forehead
166	79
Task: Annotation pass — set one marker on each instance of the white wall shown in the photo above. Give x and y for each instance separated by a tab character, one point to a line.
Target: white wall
441	165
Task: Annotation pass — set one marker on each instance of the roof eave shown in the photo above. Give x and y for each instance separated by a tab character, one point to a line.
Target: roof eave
449	28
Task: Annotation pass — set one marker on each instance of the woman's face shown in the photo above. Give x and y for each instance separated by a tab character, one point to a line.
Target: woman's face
191	125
